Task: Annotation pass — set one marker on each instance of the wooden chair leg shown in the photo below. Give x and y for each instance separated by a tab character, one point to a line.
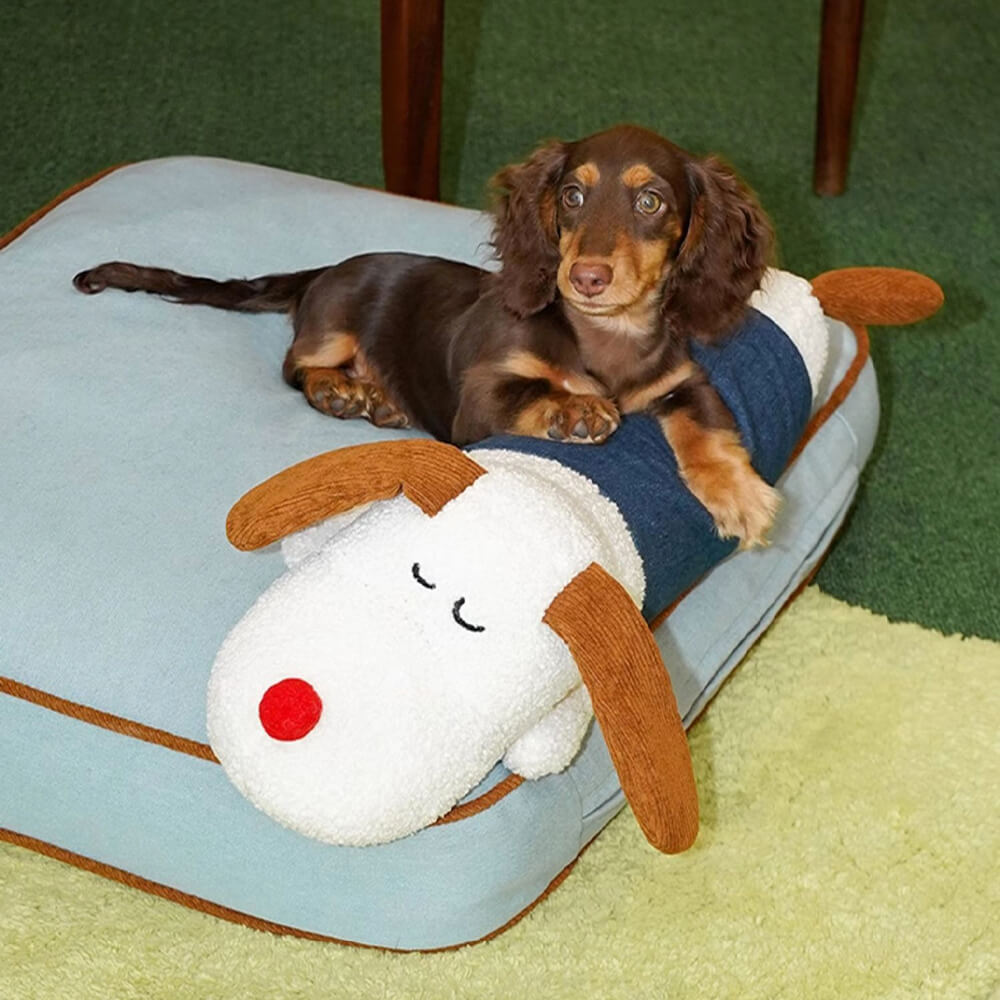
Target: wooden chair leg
412	48
840	45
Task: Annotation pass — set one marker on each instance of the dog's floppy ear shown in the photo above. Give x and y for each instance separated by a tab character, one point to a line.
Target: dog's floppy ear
726	248
428	472
525	237
634	703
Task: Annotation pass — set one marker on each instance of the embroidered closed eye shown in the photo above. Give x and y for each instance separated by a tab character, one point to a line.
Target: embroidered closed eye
456	614
456	608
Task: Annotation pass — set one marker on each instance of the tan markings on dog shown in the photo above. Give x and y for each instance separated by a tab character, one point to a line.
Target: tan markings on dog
337	378
333	351
527	365
716	469
638	399
637	175
569	247
650	258
587	173
565	416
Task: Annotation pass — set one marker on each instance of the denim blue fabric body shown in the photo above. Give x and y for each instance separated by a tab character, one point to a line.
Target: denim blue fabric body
761	378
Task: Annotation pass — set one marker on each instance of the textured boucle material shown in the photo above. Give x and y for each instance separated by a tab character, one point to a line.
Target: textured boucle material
416	708
848	773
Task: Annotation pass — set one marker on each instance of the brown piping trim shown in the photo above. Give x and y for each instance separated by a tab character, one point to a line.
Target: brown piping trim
22	227
160	737
482	802
256	923
114	723
237	916
839	394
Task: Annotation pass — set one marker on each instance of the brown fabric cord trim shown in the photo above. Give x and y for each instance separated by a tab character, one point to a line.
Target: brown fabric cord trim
634	703
477	805
428	472
237	916
839	394
114	723
139	731
22	227
877	296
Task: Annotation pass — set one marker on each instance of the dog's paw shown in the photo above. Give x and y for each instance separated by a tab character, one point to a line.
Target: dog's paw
716	468
335	393
576	419
745	509
382	412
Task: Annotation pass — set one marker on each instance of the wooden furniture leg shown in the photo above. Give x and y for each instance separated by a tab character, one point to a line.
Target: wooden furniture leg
412	46
840	44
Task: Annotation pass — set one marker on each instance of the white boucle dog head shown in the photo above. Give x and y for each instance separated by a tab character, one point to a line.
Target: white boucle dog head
382	677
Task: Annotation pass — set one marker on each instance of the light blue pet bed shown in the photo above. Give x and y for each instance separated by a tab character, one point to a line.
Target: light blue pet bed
130	428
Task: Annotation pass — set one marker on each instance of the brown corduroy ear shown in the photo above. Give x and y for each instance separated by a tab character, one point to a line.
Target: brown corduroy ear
877	296
634	703
430	473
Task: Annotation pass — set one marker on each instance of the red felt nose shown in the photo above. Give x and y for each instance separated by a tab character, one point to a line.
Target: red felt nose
290	709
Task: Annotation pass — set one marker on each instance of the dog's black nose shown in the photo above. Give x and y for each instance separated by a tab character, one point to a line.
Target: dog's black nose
590	279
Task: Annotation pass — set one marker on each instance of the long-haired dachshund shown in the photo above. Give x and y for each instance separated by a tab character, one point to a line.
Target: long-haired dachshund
615	252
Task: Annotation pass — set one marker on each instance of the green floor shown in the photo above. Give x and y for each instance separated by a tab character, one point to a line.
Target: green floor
295	85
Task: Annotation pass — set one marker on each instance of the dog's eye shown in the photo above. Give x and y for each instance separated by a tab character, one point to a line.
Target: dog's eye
456	614
416	576
572	196
648	203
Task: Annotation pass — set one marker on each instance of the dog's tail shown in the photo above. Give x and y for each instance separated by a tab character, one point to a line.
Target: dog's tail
268	293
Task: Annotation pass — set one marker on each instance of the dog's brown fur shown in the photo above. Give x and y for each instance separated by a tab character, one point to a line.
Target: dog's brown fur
615	251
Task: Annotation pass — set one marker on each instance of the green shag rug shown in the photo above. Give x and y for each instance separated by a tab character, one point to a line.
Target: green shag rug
849	775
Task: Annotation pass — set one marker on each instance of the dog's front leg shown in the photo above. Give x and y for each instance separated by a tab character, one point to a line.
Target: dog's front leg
525	395
711	458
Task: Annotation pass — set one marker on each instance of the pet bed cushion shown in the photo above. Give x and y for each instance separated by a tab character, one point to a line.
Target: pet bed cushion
131	427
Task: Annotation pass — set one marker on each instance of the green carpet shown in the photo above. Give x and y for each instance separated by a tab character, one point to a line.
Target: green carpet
296	85
849	849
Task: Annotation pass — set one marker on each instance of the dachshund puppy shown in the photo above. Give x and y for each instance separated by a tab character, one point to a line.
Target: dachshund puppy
615	252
